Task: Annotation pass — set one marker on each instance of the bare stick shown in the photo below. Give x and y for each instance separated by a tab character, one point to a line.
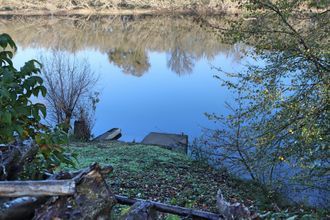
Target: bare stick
141	210
186	212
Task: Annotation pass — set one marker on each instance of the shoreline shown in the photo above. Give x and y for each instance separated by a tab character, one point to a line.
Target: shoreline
118	12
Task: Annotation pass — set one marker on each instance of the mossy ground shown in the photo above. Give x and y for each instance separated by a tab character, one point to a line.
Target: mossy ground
154	173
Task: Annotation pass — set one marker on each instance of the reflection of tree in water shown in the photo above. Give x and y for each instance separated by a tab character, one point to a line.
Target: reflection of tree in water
133	62
180	61
126	37
125	19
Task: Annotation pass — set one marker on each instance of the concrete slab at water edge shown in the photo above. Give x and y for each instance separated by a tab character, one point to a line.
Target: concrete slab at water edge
177	142
112	134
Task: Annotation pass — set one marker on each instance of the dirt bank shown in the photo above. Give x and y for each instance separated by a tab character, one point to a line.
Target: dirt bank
114	7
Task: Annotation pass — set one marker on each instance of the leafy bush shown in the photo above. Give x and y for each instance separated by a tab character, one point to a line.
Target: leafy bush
20	117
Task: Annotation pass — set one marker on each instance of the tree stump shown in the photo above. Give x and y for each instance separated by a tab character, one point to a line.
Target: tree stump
92	200
81	130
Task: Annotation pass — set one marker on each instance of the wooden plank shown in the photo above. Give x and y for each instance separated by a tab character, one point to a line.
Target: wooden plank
37	188
185	212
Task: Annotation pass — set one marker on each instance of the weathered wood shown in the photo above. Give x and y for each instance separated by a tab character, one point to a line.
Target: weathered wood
76	175
141	211
92	199
21	208
14	157
24	207
185	212
81	130
37	188
233	211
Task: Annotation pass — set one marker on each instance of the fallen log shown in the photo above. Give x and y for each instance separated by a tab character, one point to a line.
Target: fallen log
91	196
141	211
37	188
185	212
21	208
92	199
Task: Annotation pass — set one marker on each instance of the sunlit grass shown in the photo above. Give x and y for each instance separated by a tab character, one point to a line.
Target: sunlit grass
154	173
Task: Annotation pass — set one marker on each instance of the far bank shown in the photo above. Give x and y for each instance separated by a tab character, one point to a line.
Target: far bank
116	7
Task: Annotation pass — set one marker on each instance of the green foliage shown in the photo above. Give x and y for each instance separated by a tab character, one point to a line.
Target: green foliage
294	215
172	217
21	117
18	114
286	98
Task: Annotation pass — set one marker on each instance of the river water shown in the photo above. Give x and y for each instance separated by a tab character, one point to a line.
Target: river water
155	73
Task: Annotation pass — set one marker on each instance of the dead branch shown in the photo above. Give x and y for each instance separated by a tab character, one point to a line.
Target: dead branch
37	188
232	211
141	211
14	157
185	212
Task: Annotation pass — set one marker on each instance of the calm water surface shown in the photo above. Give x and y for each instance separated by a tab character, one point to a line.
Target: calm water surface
156	73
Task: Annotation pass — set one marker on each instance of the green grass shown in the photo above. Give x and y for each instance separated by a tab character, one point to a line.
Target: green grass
154	173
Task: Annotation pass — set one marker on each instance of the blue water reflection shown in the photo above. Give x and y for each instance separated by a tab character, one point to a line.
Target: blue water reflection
162	85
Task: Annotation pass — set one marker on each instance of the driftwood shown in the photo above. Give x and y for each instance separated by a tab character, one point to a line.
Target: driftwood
14	157
141	211
37	188
185	212
92	199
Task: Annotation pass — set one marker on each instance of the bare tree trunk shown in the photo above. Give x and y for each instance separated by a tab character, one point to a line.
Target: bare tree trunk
67	121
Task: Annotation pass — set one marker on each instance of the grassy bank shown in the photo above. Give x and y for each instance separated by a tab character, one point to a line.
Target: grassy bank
154	173
158	174
44	7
